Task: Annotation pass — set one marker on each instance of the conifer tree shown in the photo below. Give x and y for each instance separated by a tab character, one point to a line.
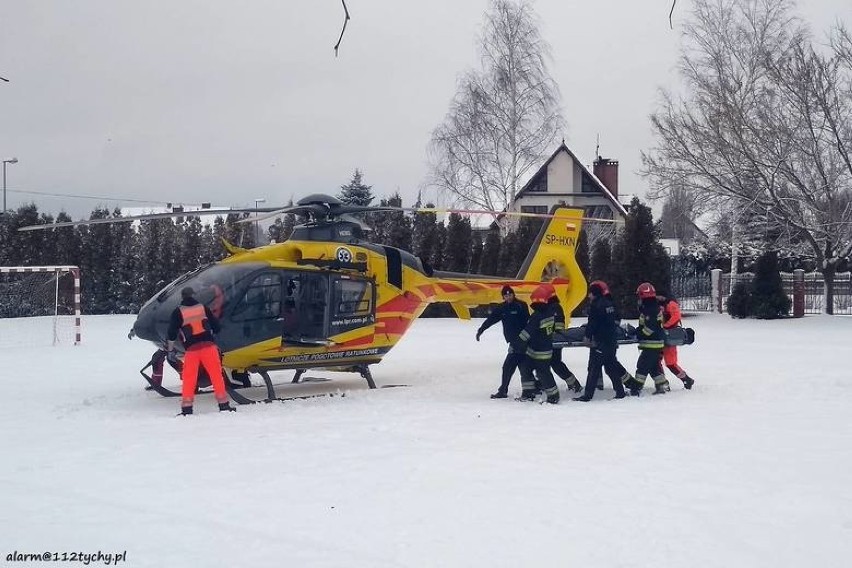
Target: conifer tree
392	228
425	235
283	226
439	254
211	246
190	243
490	263
156	255
68	243
289	223
355	192
239	234
639	257
768	298
96	265
476	254
275	232
517	245
508	263
5	237
125	267
459	243
601	261
581	254
24	248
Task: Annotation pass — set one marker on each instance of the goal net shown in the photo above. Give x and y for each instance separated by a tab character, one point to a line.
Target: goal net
39	305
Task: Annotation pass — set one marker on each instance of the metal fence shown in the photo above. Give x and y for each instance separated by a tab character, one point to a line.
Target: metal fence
694	292
815	295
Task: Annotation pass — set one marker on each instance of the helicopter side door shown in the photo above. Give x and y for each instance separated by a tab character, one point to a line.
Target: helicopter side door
318	305
304	311
353	307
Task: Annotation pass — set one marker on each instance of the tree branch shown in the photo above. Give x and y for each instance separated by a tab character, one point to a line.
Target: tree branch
345	21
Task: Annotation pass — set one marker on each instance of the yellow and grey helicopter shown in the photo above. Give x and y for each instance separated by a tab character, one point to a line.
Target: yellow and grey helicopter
329	298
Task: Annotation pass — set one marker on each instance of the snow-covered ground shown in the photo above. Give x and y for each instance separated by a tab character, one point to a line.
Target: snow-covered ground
750	468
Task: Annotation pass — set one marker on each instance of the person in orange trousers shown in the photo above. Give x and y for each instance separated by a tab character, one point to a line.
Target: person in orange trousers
196	325
671	319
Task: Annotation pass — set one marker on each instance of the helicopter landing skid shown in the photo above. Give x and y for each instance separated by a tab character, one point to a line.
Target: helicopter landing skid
239	398
363	370
168	393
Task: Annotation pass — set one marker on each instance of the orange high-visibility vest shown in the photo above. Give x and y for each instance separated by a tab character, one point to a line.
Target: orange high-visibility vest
194	319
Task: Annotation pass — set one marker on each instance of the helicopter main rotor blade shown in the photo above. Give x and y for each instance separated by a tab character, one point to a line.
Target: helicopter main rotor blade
149	216
323	210
315	209
497	214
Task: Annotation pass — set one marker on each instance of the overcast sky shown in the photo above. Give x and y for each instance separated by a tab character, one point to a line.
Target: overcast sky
225	101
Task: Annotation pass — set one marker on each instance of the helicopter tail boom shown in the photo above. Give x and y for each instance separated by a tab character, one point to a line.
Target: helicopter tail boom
551	259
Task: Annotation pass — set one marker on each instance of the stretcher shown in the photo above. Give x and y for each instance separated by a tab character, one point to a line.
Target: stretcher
573	336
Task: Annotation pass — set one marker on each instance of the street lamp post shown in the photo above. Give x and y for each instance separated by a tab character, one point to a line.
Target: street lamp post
256	226
6	161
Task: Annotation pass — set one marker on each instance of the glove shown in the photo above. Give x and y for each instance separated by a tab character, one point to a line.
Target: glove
478	334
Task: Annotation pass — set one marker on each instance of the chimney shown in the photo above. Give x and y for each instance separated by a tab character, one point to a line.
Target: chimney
606	170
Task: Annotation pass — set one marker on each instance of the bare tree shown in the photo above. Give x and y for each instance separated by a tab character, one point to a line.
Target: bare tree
676	219
504	118
765	124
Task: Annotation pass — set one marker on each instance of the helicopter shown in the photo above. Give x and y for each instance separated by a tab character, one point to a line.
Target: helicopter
328	298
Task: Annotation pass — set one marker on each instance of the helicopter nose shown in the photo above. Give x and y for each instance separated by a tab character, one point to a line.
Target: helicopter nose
145	326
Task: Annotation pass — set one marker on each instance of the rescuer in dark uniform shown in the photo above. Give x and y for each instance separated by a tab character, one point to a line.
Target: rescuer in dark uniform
671	319
603	342
536	340
556	362
651	342
196	325
514	315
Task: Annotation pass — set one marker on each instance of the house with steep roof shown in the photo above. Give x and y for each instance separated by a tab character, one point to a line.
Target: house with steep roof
564	180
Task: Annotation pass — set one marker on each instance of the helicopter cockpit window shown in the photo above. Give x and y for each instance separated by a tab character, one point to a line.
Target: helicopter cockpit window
261	300
351	298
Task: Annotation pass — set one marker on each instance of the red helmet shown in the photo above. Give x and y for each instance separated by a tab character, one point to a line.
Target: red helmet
646	290
600	285
542	294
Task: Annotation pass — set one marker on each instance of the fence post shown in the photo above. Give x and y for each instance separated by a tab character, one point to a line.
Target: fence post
798	293
716	289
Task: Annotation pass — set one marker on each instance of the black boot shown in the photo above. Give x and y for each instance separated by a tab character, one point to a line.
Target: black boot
553	398
584	398
226	407
240	380
185	411
499	394
688	382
